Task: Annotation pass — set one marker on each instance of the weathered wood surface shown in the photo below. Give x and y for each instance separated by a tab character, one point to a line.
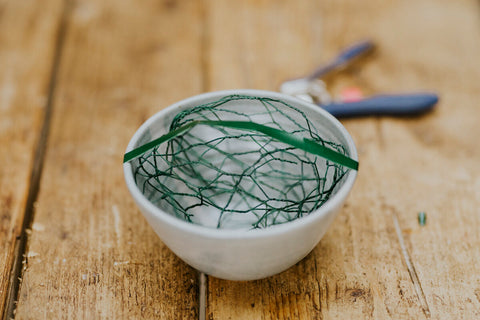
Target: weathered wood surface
27	45
91	254
359	270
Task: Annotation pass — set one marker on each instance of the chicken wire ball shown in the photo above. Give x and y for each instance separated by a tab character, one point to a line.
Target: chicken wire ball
240	184
241	162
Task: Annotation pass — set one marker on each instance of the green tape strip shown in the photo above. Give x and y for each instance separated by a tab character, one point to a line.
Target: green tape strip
305	144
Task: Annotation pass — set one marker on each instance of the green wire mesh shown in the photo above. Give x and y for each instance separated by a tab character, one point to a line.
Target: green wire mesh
225	177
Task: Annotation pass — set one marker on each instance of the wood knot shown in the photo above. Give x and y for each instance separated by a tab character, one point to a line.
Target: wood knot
357	293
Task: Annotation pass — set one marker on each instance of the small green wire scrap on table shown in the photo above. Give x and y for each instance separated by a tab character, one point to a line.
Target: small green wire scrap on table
240	162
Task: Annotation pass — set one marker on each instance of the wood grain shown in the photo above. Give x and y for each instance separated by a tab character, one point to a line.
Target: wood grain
27	44
441	154
359	269
91	254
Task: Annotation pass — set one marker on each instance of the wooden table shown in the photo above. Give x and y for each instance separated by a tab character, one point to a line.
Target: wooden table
77	78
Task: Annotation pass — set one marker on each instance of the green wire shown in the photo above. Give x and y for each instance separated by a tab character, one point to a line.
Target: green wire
304	144
271	184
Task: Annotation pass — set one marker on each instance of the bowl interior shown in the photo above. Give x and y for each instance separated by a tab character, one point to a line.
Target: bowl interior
256	180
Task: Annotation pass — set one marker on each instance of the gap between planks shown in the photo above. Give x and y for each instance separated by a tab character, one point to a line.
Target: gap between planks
202	304
410	267
205	48
16	271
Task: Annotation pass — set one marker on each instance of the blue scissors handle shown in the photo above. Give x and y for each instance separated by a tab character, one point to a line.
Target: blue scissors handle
380	105
343	58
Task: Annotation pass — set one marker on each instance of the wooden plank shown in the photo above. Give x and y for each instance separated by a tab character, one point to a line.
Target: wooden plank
440	155
91	254
27	42
363	268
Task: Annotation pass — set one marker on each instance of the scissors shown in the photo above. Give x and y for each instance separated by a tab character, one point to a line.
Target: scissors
312	89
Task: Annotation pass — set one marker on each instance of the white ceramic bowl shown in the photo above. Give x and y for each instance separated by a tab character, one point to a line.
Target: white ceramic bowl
242	254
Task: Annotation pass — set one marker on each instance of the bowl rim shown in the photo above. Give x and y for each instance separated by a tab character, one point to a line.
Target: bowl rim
331	204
